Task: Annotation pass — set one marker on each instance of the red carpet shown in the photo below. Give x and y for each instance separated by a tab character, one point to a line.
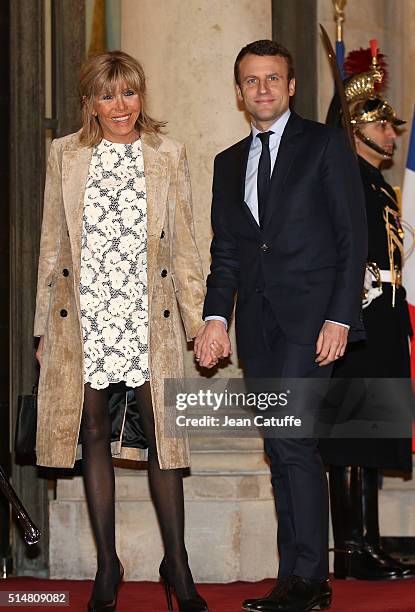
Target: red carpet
349	596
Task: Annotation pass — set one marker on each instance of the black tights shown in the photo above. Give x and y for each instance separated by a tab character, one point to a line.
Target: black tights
166	488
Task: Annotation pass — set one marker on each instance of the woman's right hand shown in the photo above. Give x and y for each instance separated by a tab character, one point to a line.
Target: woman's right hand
40	350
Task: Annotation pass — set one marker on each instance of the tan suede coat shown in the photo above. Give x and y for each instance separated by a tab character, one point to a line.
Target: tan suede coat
171	247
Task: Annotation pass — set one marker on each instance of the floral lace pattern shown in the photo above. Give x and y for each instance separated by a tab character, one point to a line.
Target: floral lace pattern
113	284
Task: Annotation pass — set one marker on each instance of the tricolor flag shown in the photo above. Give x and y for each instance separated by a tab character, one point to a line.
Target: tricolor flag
408	213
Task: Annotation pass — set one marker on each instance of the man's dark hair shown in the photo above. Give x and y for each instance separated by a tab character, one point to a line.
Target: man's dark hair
265	47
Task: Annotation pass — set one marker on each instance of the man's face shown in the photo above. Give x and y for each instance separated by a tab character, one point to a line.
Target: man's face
381	133
264	88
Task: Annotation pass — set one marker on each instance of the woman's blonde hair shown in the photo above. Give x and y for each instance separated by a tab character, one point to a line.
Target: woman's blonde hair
103	73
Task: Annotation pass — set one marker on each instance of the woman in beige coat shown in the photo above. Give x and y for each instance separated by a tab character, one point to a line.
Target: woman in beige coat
118	261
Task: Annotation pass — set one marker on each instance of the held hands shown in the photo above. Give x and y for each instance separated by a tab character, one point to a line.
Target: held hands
211	344
331	343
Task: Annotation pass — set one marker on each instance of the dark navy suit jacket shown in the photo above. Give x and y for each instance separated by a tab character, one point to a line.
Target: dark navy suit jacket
308	259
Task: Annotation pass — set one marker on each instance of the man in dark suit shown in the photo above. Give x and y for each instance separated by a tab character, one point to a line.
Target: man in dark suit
290	240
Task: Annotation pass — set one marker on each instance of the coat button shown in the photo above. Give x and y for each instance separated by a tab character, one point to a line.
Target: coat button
65	272
63	313
162	234
264	247
166	314
164	273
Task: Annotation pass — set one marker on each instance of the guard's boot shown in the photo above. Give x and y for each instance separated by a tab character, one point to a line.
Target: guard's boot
354	510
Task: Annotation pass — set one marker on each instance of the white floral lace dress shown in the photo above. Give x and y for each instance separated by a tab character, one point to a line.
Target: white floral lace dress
113	283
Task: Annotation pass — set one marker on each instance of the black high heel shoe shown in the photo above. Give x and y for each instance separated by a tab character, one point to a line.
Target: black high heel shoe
99	605
194	604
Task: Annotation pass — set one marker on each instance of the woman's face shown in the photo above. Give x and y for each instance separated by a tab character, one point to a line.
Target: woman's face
117	113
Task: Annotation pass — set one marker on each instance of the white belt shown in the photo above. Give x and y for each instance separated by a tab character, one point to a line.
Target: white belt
385	276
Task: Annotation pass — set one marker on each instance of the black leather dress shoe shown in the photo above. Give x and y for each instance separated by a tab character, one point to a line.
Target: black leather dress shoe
407	570
298	595
366	563
267	602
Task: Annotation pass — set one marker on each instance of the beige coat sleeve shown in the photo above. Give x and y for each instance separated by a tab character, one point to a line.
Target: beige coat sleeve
187	266
50	239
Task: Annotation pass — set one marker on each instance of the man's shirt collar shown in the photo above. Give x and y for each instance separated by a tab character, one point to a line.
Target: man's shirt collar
277	128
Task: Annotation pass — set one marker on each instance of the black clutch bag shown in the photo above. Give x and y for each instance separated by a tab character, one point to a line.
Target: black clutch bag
26	422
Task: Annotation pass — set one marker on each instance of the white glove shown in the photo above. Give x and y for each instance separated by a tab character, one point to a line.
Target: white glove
372	285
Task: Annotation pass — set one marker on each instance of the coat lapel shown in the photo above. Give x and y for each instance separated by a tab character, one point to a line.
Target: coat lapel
243	163
285	158
156	169
75	167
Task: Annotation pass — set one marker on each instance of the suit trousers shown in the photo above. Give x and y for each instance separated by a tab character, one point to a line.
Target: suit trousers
297	472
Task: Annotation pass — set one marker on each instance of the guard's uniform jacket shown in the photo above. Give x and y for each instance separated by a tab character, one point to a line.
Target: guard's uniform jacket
385	352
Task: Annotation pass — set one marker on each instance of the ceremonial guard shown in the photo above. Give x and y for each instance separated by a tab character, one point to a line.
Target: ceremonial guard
354	464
